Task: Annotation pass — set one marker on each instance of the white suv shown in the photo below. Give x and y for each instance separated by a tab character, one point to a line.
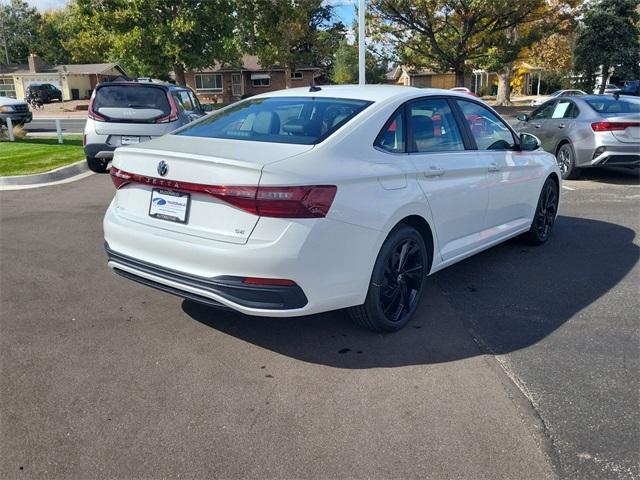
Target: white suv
131	112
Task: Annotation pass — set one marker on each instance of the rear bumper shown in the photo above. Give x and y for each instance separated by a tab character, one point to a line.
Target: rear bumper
99	150
618	159
230	288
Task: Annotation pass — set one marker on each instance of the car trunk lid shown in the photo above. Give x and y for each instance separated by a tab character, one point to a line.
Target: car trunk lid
627	129
226	163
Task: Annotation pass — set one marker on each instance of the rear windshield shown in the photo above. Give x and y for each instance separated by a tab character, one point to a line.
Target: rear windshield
609	106
298	120
131	96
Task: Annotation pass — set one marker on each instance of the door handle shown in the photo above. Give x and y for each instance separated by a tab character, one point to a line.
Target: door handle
494	167
433	172
562	125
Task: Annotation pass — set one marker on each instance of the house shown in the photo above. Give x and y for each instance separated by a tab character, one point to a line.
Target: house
75	81
421	78
229	83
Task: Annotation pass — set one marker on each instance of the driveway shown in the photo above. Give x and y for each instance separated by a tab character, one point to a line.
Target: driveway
522	362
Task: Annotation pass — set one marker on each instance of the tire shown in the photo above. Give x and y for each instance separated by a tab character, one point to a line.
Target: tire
394	292
545	216
98	165
566	158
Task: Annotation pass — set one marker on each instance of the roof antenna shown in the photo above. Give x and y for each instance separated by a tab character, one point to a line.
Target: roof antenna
313	87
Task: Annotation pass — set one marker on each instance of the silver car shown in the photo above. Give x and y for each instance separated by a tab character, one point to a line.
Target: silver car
587	131
130	112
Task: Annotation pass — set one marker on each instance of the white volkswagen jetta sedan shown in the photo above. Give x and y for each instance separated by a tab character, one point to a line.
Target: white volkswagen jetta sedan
307	200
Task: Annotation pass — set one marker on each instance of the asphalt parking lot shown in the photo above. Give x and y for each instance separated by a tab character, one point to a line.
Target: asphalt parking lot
522	362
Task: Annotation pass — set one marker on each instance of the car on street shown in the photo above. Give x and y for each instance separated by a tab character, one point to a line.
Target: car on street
16	110
463	90
587	131
43	91
131	112
609	89
631	87
559	93
304	200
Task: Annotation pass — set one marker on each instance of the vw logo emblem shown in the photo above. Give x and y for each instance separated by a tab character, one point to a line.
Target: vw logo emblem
163	168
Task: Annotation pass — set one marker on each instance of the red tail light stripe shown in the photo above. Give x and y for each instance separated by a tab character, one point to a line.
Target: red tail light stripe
309	201
612	126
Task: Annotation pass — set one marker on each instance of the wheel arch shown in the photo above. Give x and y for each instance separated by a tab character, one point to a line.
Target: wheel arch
424	229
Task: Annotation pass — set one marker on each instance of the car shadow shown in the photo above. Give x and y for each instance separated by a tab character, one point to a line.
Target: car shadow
504	299
612	175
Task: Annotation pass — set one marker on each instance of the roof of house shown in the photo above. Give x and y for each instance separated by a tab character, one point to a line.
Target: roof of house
74	69
248	62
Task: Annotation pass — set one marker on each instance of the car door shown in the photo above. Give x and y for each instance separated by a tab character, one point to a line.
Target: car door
560	122
513	174
536	124
453	178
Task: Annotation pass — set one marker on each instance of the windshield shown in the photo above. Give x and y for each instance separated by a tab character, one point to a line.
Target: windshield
297	120
609	106
131	96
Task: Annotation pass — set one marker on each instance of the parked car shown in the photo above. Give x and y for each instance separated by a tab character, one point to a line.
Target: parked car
16	110
463	90
631	88
559	93
587	131
307	200
44	91
131	112
609	89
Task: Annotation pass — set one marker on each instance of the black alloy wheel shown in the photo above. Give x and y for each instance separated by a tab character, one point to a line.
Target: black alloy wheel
396	284
545	216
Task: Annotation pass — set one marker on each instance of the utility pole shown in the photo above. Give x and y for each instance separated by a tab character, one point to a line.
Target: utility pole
361	46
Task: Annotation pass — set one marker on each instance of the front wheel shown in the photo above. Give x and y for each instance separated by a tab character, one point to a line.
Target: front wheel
98	165
545	216
396	283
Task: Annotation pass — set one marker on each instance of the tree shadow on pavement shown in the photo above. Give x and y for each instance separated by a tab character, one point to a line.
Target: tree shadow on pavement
511	296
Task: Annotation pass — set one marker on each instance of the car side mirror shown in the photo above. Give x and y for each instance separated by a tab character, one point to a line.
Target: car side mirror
207	107
529	142
523	117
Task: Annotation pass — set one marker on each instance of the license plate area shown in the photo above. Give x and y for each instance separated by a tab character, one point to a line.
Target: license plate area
129	140
170	205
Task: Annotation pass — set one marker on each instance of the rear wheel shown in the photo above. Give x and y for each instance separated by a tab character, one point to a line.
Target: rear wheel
98	165
396	283
545	215
566	159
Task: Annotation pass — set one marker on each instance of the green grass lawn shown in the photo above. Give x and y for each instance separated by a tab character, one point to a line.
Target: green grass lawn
36	155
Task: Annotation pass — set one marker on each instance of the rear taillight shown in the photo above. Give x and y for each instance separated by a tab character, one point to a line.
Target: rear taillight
309	201
173	113
91	113
612	126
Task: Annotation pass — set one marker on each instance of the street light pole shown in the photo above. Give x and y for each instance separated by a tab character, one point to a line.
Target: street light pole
361	47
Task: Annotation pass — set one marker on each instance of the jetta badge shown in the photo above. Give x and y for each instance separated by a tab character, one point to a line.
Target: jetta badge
163	168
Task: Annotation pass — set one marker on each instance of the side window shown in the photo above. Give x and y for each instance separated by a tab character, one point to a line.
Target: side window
488	130
561	109
572	111
433	127
392	136
543	112
194	101
184	100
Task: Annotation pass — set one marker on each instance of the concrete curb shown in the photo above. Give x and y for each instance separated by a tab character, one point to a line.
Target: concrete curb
62	174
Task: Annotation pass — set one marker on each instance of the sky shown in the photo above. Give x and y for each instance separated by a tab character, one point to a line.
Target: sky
344	9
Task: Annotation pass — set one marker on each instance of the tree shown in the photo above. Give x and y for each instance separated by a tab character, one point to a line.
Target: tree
18	27
447	34
54	29
608	36
152	37
289	33
345	68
